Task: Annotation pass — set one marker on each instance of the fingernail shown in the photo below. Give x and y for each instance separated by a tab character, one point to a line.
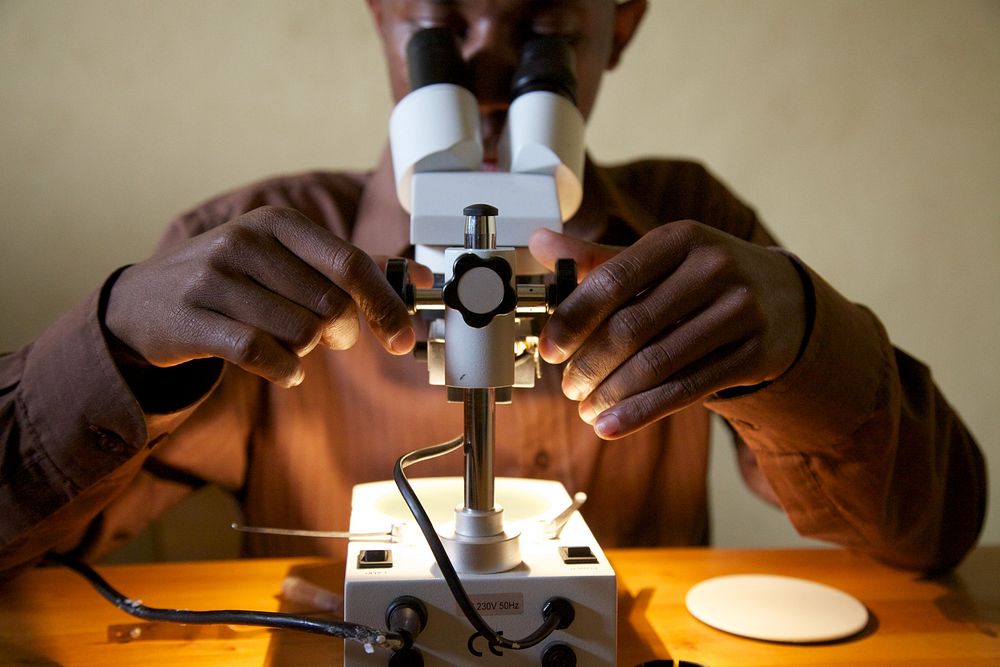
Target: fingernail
403	341
296	379
588	413
311	345
551	352
573	389
608	426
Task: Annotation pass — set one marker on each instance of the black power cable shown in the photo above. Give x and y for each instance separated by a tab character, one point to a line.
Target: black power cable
557	613
344	630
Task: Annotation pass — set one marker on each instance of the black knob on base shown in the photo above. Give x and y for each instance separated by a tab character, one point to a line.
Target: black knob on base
407	657
559	655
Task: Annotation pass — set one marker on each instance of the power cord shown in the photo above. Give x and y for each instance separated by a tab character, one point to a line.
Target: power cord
557	613
363	634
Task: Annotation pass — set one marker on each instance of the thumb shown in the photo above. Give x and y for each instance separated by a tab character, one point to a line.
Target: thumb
547	246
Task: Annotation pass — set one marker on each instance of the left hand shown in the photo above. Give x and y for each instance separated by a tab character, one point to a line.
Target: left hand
685	312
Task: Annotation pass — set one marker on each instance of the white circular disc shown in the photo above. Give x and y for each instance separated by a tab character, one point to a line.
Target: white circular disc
776	608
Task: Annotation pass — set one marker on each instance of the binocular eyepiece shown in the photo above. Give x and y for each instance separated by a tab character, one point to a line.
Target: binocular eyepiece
546	64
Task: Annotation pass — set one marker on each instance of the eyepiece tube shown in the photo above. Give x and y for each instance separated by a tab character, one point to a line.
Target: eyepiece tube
546	64
433	57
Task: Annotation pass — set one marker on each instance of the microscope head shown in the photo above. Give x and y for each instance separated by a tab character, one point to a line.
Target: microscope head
437	148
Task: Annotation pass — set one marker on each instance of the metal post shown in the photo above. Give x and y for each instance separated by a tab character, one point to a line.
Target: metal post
480	437
480	403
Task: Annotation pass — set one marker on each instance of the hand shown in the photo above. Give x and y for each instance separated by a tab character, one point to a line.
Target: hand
260	291
683	313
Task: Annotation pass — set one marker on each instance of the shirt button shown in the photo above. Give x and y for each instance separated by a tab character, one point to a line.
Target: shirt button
542	459
109	441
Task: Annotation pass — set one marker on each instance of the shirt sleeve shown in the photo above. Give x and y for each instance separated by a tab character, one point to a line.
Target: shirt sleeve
92	450
860	446
72	434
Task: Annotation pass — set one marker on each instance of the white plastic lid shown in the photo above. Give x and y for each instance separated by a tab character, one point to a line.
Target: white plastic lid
776	608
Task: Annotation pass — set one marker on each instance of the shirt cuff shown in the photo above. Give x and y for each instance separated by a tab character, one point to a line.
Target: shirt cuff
80	409
831	390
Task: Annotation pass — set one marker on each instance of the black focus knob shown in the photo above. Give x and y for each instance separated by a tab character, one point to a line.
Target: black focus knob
564	284
397	273
480	289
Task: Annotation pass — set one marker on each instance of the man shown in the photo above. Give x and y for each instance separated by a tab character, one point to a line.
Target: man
236	356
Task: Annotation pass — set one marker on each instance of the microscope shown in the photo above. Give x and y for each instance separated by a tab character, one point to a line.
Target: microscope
532	586
525	585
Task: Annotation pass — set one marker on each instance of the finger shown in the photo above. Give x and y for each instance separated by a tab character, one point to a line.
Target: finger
548	246
607	289
244	300
351	270
679	348
420	275
341	332
269	263
661	308
681	390
246	252
249	348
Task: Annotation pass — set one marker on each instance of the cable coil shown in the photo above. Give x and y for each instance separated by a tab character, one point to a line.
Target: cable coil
553	614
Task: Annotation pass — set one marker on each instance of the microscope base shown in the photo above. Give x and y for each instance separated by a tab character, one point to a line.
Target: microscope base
572	566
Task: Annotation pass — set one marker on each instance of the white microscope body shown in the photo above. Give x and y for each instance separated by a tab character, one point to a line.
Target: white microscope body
511	567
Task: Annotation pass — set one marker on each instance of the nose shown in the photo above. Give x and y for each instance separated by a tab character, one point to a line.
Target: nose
492	54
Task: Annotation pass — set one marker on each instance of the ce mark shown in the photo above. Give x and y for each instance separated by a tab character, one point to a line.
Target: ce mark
476	652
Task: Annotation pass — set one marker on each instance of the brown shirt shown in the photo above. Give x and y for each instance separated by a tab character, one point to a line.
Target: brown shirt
854	440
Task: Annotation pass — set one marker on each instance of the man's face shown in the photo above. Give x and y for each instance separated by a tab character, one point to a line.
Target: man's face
490	34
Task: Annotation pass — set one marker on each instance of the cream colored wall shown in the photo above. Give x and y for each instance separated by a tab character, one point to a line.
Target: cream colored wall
865	133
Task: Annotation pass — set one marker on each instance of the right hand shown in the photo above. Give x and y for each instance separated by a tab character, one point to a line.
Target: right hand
260	291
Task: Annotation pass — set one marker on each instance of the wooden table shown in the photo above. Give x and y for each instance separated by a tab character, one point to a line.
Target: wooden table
51	616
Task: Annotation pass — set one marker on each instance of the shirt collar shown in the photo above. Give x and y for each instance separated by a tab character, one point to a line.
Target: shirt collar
382	227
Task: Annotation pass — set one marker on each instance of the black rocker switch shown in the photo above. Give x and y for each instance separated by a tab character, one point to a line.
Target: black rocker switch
577	555
373	558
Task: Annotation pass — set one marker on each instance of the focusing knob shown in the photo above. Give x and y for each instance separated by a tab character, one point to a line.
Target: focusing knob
564	284
398	275
480	288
